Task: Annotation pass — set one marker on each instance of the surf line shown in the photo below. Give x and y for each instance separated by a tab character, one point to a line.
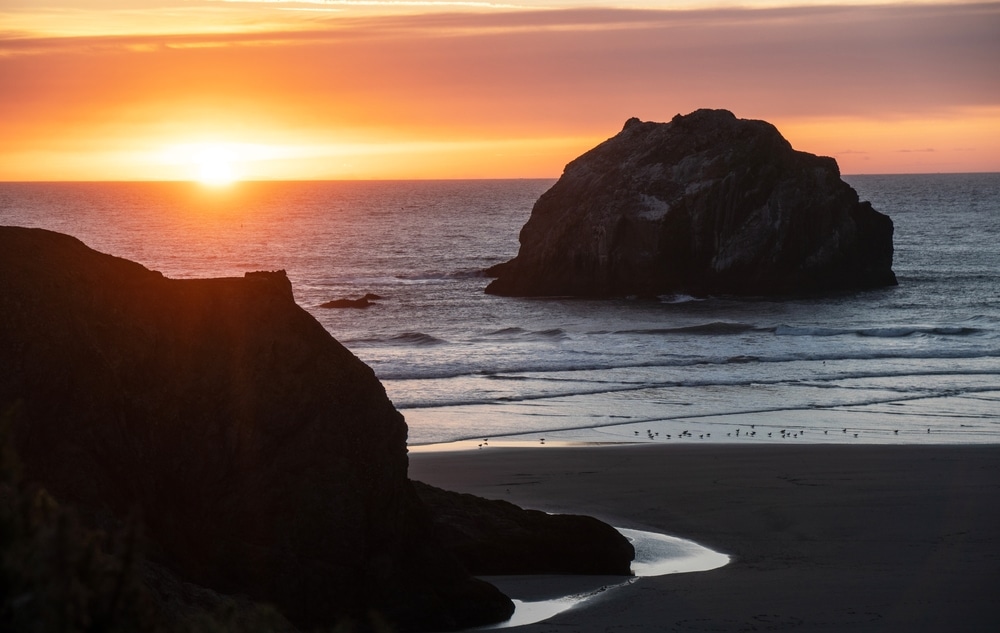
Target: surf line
655	555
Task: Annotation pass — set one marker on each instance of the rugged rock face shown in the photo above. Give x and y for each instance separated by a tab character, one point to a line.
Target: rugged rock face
263	457
705	204
494	537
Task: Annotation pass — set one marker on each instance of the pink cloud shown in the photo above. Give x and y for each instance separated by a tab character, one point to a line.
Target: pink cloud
517	74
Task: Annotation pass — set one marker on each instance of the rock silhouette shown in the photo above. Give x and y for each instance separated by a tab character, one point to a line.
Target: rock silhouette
704	204
495	537
361	302
263	457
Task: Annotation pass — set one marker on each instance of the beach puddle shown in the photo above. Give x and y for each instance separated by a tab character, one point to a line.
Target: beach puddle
655	555
538	611
660	554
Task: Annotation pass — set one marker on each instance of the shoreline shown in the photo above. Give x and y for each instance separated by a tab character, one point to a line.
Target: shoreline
826	426
821	537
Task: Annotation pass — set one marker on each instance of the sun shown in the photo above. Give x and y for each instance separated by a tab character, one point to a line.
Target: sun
214	165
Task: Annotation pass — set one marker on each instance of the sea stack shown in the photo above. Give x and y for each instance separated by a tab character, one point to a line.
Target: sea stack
705	204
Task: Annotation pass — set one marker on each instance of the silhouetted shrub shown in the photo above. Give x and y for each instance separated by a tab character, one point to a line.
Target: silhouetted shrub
59	576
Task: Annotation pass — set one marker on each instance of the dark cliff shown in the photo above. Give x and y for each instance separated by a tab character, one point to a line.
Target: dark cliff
262	456
705	204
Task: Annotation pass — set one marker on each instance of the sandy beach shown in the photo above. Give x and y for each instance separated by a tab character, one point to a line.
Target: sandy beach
822	538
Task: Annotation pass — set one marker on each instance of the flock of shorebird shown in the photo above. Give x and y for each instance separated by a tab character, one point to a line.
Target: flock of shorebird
751	433
784	434
668	436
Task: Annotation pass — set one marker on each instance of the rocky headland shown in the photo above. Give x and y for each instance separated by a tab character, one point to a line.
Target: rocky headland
705	204
262	458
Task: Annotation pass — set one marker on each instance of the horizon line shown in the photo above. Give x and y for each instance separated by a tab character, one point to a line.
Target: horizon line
236	183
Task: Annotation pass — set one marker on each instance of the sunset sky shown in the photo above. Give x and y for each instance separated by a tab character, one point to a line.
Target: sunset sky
267	89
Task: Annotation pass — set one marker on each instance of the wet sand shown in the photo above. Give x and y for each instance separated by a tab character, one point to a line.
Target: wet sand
823	538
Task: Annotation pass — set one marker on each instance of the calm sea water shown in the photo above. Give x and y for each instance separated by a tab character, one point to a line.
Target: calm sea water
916	363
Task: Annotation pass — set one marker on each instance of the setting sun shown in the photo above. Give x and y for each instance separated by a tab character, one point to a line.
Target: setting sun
209	163
215	165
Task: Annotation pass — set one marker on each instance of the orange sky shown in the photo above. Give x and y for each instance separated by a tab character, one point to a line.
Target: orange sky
103	90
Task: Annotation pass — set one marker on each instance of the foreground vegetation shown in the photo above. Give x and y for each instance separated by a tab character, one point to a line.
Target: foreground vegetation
58	575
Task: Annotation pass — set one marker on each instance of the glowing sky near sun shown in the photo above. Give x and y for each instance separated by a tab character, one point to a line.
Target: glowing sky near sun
184	89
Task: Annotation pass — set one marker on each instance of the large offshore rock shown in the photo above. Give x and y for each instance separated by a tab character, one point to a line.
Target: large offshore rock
263	458
705	204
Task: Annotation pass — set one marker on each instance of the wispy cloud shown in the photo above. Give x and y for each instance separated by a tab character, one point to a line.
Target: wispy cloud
792	61
907	76
423	4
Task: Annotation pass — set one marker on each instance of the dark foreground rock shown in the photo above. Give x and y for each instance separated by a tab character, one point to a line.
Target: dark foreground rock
705	204
263	458
494	537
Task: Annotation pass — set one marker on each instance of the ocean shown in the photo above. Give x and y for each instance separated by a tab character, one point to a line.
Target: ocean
915	363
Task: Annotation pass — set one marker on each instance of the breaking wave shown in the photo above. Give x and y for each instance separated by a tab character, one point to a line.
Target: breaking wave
882	332
406	338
